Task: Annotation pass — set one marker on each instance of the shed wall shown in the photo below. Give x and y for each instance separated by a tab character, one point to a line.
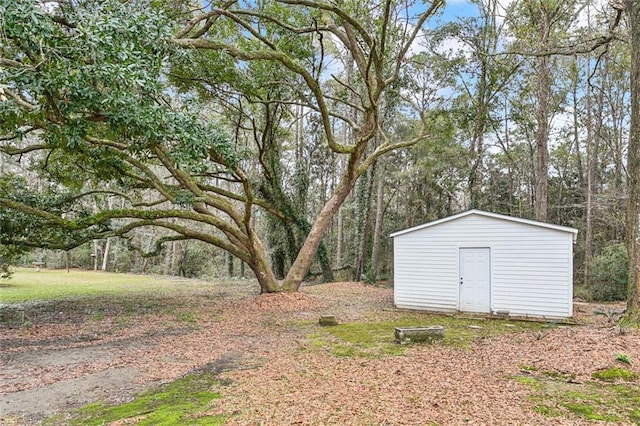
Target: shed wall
531	266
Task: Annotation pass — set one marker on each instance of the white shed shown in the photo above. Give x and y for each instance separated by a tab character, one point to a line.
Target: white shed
484	262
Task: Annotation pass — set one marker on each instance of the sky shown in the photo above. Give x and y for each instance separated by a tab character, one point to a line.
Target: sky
456	9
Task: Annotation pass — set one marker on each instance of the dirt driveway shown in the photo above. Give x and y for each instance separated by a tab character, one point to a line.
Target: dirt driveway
58	356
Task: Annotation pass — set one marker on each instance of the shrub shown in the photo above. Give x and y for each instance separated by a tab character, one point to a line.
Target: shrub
609	273
9	256
623	358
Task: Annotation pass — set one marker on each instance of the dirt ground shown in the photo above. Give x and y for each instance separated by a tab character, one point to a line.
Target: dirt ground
60	355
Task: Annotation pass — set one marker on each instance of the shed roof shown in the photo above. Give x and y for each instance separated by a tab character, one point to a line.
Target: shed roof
492	215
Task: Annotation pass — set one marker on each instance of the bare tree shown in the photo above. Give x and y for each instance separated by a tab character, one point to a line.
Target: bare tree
632	11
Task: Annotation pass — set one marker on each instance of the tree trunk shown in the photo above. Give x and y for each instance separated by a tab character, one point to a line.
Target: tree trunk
542	138
229	265
105	255
377	232
576	124
477	145
591	177
363	251
169	258
325	263
308	250
94	254
339	239
477	172
633	206
261	268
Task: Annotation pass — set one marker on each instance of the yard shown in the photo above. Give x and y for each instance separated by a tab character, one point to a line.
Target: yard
153	350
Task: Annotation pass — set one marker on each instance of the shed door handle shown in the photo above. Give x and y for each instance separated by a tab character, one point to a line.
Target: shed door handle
460	280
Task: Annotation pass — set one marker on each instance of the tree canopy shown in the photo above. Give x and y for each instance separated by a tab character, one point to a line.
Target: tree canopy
105	98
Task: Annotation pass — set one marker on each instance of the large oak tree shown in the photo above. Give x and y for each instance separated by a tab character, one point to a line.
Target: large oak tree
88	106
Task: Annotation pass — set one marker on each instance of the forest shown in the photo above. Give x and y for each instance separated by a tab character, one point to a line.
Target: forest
286	139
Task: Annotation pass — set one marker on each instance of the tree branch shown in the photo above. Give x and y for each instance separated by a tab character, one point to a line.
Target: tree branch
9	150
209	18
348	19
17	99
274	55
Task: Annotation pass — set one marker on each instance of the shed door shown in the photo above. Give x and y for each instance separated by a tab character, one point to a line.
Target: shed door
475	279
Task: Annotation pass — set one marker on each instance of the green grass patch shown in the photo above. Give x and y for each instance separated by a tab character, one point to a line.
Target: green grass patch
555	397
547	410
613	374
376	338
557	375
75	297
623	358
188	318
181	402
30	285
529	381
589	411
525	367
98	316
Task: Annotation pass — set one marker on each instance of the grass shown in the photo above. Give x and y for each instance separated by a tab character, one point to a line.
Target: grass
555	397
526	367
376	338
188	318
623	358
182	402
97	296
530	381
28	285
54	296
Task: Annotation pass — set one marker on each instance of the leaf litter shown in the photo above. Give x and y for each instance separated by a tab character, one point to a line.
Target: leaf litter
271	374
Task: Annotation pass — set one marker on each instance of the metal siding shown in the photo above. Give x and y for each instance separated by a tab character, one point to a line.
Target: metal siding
423	274
532	267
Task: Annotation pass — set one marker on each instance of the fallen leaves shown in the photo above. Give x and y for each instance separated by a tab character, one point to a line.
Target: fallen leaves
271	375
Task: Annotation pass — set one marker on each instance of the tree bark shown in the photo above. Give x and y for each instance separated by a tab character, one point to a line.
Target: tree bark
308	250
477	149
261	268
229	265
542	138
633	207
591	177
476	174
94	254
363	252
576	125
105	255
339	239
377	231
